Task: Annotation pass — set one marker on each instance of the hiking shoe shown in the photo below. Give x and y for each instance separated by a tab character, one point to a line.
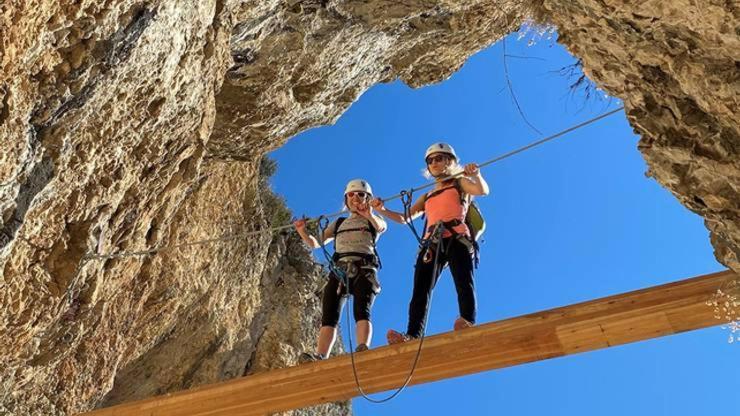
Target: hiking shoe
361	348
395	337
462	323
309	357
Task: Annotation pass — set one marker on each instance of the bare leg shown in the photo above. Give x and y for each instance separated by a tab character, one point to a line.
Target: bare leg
364	331
327	336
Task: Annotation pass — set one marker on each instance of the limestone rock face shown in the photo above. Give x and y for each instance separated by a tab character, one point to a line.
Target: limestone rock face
277	317
130	126
107	107
301	64
676	66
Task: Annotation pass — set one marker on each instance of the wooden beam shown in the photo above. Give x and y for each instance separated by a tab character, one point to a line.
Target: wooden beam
630	317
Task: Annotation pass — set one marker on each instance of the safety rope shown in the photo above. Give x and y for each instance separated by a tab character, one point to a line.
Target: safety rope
436	236
89	257
323	223
512	153
406	198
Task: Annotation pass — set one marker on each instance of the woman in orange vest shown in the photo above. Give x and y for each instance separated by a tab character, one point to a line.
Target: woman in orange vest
445	206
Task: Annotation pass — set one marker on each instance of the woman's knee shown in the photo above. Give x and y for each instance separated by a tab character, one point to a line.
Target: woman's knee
330	320
363	306
362	315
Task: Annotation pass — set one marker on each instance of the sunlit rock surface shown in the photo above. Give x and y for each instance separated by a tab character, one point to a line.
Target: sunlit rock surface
132	126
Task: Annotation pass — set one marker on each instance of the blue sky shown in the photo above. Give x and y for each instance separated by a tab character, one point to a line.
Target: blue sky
572	220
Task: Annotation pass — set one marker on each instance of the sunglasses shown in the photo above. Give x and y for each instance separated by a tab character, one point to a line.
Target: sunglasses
437	158
359	194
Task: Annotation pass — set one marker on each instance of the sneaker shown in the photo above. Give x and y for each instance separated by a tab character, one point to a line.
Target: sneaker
361	348
395	337
309	357
462	323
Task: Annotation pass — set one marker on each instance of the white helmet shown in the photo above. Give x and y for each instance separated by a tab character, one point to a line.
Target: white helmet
440	148
358	185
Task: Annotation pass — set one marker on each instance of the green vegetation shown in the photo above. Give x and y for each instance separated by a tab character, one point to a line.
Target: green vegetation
275	208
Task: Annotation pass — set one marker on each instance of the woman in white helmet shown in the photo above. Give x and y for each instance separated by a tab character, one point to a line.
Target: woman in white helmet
445	206
355	237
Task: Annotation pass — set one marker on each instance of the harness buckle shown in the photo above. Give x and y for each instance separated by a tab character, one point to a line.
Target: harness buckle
431	243
351	268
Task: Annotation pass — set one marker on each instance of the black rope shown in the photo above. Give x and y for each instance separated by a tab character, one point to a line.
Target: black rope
93	256
516	151
322	223
436	236
406	197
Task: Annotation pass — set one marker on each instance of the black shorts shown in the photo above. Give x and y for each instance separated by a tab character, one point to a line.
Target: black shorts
363	287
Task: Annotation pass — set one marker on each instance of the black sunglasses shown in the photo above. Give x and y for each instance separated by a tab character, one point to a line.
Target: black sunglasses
437	158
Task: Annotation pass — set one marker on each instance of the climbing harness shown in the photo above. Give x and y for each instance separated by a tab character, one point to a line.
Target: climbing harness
473	217
369	259
339	273
474	220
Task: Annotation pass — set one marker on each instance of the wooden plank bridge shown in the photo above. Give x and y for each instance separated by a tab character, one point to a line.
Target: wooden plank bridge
644	314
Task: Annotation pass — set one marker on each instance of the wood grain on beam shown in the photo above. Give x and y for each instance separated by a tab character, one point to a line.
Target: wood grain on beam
630	317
